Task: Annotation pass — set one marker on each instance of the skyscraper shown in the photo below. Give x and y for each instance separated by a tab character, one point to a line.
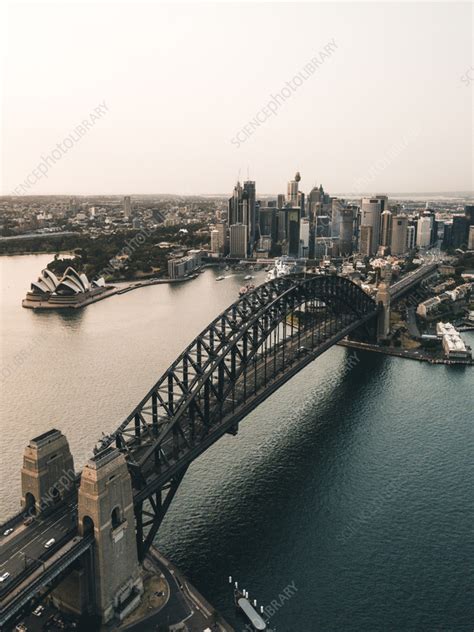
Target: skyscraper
423	231
235	206
371	210
346	231
250	217
127	206
386	231
292	190
460	231
238	241
314	203
304	237
399	243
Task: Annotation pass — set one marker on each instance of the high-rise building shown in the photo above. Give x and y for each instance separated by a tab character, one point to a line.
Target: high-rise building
219	238
386	230
366	240
469	213
238	241
280	201
127	206
371	211
336	216
293	231
301	203
411	237
398	243
268	222
215	243
250	217
346	232
304	237
424	231
460	231
323	226
235	213
314	203
470	239
383	202
292	190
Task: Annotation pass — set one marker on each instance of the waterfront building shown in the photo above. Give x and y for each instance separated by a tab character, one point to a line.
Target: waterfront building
453	345
238	241
181	267
71	290
219	239
371	210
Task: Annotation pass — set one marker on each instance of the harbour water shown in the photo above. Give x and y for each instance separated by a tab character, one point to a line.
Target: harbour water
353	483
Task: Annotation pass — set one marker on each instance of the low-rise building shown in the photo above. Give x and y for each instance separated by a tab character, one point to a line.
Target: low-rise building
182	266
453	345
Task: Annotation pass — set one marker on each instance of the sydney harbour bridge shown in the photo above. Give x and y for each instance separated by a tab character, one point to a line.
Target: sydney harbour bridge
104	522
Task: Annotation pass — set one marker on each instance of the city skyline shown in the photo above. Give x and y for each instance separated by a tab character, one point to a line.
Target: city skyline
345	102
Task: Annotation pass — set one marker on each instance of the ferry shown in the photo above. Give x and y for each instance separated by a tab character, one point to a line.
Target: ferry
242	603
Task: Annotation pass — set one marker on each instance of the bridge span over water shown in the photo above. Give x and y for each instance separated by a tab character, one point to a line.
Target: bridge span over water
104	521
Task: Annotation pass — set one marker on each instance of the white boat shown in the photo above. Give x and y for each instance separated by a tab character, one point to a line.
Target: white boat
248	277
221	278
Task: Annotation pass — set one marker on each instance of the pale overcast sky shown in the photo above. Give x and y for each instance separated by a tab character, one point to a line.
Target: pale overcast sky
388	108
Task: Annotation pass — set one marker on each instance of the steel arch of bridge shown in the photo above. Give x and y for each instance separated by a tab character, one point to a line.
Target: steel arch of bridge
243	356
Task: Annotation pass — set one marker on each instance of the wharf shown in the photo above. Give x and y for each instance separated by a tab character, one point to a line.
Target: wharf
410	354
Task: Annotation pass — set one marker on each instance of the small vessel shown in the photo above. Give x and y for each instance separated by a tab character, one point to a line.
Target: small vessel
248	277
220	278
246	288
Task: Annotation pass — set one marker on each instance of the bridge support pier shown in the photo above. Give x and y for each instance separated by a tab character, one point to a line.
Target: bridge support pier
105	508
47	475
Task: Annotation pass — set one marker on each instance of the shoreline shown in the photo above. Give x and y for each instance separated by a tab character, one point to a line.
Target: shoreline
403	353
113	291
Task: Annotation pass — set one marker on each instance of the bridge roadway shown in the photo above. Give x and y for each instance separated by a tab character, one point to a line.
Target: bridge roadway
410	280
250	389
22	551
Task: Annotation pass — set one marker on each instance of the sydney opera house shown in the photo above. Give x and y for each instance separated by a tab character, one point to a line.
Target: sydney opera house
72	290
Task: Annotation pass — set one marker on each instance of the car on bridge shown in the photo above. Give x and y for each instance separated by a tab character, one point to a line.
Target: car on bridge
49	543
8	531
4	577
